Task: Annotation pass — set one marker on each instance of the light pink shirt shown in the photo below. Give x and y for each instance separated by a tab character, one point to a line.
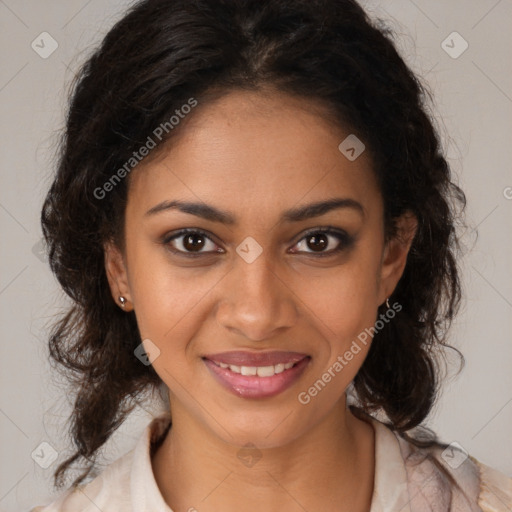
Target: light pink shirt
404	480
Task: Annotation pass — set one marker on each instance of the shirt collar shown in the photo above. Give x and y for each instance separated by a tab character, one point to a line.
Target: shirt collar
146	496
390	481
390	491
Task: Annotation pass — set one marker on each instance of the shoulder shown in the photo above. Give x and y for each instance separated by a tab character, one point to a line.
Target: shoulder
127	484
436	477
449	473
495	489
107	492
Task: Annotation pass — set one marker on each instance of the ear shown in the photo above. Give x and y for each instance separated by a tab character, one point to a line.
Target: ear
395	254
117	275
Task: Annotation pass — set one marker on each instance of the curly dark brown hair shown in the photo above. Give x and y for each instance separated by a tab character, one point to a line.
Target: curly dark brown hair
157	57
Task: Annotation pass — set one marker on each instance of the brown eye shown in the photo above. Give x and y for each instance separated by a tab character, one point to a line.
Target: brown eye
193	242
190	243
316	242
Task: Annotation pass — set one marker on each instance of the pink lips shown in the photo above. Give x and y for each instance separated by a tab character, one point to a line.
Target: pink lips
253	386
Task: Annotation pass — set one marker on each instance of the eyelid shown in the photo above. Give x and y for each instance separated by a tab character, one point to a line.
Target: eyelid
322	229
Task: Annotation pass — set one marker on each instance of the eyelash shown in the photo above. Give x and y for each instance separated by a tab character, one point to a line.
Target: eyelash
346	241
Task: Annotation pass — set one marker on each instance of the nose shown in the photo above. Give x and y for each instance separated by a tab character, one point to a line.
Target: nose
256	302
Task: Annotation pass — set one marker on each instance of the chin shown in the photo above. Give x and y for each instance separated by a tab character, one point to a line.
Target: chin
264	429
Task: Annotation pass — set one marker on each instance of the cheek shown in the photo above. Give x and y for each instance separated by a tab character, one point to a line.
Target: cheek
168	313
166	297
343	311
344	301
343	308
168	306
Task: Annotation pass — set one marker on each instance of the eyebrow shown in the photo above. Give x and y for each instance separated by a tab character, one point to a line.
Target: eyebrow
298	214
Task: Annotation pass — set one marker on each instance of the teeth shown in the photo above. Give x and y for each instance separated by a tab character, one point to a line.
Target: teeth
266	371
248	370
260	371
278	368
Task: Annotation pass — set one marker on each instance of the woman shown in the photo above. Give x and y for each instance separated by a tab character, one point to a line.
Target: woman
252	211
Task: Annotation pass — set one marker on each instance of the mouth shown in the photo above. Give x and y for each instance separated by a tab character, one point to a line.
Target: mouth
257	375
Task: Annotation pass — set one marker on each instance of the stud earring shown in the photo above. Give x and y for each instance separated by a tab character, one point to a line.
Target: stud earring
122	300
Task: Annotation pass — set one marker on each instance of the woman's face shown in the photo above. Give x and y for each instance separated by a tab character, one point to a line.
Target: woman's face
252	292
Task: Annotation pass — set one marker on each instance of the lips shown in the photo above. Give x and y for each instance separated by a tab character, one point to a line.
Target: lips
256	375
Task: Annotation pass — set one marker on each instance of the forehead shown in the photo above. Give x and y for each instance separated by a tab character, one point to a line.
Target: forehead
256	150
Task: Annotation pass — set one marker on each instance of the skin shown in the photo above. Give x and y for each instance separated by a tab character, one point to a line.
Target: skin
256	155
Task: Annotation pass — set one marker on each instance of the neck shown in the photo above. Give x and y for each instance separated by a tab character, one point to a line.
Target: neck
331	467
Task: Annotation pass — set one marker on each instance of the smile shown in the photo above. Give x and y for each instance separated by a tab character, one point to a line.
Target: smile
261	376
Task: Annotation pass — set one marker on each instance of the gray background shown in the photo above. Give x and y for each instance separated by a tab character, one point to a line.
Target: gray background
473	105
